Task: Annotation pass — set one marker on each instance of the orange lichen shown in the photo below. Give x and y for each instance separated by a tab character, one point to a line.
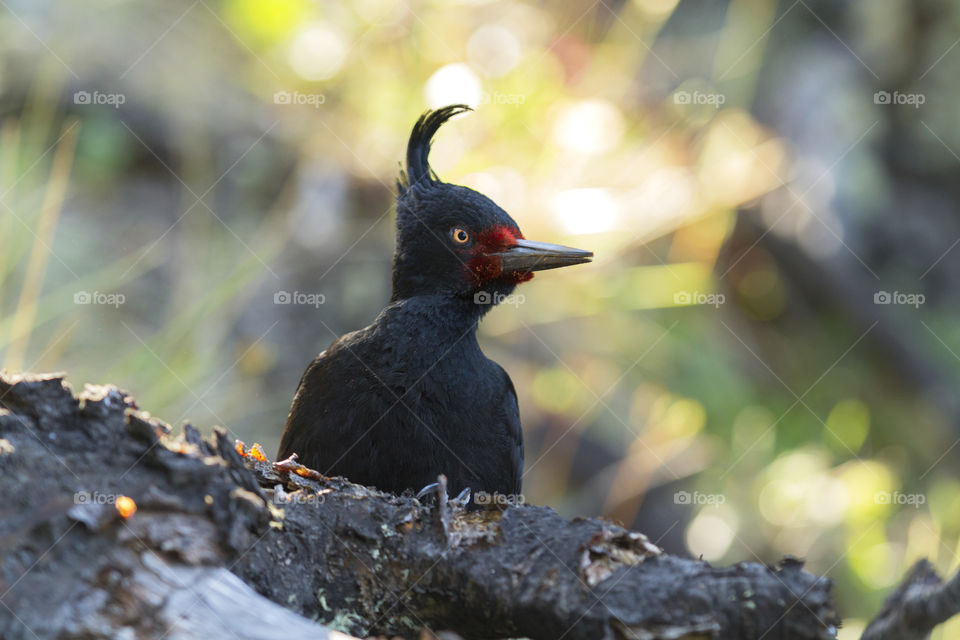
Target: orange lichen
126	507
304	472
256	452
239	444
290	465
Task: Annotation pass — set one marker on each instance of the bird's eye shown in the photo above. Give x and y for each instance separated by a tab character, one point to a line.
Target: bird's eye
460	236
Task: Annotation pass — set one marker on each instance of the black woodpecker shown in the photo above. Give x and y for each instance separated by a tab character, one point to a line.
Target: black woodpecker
412	396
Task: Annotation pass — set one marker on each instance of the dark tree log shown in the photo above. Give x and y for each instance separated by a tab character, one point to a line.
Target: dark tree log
72	567
920	603
226	545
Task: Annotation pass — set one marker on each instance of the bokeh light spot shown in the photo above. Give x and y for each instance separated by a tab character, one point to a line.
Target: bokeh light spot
656	7
317	52
555	390
583	211
847	426
711	533
588	127
454	84
493	50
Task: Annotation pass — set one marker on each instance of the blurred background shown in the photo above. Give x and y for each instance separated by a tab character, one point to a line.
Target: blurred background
196	198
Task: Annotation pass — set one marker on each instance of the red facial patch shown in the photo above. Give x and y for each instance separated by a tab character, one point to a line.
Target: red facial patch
485	265
498	238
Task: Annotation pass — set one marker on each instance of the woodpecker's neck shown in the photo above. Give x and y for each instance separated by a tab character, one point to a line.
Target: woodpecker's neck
434	320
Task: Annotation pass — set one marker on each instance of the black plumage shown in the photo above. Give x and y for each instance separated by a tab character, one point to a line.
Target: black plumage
412	396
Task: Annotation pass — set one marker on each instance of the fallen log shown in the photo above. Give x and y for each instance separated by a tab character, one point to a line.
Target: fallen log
111	526
920	603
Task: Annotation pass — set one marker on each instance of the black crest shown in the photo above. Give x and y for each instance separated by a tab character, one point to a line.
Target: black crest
418	148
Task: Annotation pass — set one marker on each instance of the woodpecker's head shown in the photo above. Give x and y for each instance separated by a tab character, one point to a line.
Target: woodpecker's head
454	240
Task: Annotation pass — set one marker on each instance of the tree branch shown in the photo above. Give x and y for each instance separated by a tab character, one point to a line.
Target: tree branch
75	561
920	603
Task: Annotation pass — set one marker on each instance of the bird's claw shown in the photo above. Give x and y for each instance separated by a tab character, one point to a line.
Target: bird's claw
439	489
430	488
463	498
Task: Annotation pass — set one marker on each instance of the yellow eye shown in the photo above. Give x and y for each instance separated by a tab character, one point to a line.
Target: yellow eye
460	236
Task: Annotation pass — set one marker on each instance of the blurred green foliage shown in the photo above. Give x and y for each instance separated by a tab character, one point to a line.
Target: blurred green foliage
686	382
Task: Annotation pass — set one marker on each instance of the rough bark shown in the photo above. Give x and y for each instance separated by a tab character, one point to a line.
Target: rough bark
920	603
226	545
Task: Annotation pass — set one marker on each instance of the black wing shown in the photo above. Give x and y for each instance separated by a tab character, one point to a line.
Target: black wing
341	418
325	424
514	432
298	433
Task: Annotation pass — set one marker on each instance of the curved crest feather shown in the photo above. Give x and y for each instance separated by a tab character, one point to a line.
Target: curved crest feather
418	148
